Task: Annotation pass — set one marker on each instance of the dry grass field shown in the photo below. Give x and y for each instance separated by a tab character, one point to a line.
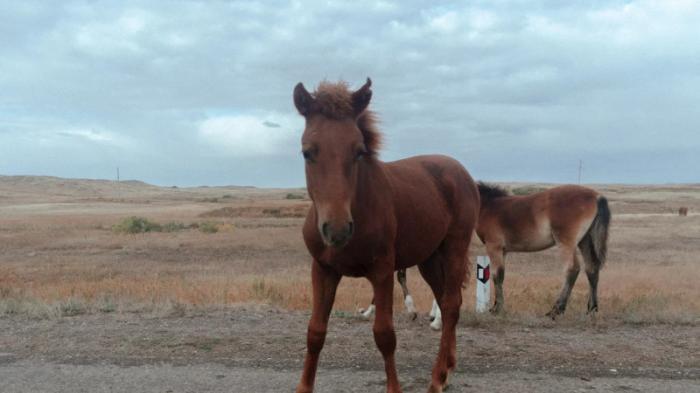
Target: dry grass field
127	287
60	254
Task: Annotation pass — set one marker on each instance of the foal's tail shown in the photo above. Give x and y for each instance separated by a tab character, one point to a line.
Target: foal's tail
594	244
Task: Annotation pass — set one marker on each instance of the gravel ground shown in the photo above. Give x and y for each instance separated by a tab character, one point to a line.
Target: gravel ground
260	349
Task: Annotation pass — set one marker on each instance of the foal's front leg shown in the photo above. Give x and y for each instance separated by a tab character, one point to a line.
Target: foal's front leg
383	329
497	256
325	282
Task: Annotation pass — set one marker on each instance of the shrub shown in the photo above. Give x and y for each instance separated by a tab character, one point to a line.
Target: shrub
272	212
173	227
136	225
294	196
72	307
209	227
527	190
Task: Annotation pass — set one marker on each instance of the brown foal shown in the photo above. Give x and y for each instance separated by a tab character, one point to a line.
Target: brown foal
370	218
566	216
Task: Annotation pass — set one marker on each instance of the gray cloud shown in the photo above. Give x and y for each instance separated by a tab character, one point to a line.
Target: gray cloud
200	93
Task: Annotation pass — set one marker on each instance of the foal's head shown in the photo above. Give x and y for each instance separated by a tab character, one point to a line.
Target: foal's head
339	138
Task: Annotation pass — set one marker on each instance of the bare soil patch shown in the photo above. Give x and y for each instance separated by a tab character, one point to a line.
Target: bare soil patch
220	346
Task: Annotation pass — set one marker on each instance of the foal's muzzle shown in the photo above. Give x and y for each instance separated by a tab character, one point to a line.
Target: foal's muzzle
337	235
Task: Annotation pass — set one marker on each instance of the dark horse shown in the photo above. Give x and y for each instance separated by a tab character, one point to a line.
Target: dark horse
370	218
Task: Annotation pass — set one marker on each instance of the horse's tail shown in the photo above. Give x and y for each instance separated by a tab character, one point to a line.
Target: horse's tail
594	244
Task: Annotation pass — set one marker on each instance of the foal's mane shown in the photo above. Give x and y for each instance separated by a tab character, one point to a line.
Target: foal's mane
489	192
334	100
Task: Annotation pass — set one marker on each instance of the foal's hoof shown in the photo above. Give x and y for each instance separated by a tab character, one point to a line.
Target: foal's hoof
496	309
438	389
434	389
554	313
304	389
593	315
413	315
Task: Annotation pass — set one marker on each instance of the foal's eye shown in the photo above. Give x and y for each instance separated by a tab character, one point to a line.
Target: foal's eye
360	154
307	155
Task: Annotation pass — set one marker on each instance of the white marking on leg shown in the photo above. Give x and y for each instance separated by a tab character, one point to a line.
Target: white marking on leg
410	306
367	314
437	322
432	310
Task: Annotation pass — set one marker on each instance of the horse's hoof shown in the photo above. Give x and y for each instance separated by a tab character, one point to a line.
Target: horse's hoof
413	315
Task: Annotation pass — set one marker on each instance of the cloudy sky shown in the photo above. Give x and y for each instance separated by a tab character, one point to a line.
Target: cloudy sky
191	93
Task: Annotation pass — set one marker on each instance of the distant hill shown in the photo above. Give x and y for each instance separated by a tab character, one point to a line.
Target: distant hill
32	189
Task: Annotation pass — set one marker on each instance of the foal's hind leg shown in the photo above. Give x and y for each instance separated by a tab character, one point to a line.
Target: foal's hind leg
592	270
592	273
407	298
568	255
445	272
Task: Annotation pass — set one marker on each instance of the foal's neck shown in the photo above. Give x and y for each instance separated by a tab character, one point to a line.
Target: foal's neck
372	187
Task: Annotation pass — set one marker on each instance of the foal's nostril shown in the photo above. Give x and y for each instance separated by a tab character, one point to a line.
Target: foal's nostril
351	228
324	229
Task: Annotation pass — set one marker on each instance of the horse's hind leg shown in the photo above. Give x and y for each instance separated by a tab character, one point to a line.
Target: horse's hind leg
445	272
407	298
431	271
568	255
367	313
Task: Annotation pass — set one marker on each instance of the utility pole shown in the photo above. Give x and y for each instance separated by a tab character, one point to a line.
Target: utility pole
580	167
118	175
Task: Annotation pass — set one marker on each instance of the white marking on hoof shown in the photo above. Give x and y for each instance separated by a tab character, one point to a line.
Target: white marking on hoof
367	314
410	306
437	317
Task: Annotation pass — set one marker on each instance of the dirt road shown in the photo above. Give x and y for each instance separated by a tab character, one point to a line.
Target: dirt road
260	349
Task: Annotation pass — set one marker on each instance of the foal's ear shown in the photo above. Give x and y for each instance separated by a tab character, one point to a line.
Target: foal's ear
302	99
360	98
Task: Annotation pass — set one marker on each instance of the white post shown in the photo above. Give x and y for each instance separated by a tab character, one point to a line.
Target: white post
483	287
